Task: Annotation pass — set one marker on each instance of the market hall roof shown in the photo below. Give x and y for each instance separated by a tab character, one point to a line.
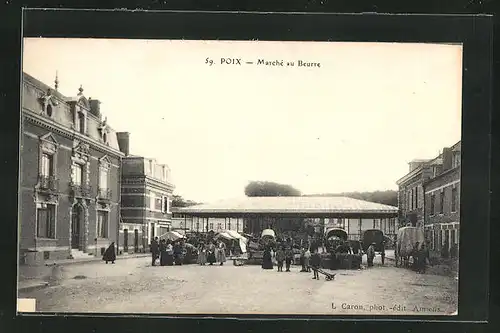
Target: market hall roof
290	205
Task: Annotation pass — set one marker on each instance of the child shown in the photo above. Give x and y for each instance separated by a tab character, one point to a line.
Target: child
280	257
315	264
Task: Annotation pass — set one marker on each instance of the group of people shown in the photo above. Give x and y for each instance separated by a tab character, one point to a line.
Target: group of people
285	255
421	257
168	252
211	253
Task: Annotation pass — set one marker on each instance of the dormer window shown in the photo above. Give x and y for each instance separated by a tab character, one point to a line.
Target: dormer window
104	138
81	122
49	110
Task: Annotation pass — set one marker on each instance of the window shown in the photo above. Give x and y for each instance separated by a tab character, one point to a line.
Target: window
47	165
433	204
102	224
152	197
77	174
219	226
237	225
416	197
411	199
229	225
454	199
158	203
197	225
103	179
150	167
81	123
49	110
441	202
46	222
211	226
165	207
104	137
456	159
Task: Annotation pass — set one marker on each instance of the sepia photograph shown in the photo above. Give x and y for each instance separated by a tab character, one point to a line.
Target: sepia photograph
239	177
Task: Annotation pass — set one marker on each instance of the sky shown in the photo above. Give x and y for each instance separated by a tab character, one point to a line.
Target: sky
352	124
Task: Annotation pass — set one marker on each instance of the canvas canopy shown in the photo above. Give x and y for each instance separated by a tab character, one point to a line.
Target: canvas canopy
268	233
406	239
172	235
336	232
233	235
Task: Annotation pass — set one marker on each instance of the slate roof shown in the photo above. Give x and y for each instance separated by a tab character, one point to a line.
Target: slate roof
290	205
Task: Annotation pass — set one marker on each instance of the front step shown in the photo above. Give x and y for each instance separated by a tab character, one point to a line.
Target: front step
76	254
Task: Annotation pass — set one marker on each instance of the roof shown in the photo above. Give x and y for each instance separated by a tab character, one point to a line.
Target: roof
290	205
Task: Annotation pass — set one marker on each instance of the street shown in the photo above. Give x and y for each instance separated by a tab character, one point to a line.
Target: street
133	286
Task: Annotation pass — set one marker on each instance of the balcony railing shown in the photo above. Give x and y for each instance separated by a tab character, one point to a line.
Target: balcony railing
48	183
104	193
80	190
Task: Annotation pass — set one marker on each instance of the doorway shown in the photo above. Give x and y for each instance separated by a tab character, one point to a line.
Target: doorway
125	240
151	232
136	240
76	218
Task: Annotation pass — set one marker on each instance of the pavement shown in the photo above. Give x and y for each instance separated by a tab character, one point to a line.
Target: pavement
36	277
134	286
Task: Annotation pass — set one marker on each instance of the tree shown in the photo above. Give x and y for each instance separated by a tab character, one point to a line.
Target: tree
270	189
178	201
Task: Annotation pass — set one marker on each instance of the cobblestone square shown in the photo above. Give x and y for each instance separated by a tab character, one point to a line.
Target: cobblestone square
134	286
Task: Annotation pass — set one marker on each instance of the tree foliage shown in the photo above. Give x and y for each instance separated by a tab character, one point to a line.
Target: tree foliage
270	189
178	201
383	197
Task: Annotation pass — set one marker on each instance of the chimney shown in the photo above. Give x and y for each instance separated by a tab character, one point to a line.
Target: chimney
447	159
95	107
123	142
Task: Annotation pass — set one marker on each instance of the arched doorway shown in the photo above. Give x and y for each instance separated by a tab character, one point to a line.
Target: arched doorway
76	226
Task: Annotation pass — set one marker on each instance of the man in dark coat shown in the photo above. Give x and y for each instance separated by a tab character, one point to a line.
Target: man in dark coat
288	258
110	254
267	260
155	251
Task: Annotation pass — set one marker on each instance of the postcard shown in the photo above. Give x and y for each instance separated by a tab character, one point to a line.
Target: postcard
239	177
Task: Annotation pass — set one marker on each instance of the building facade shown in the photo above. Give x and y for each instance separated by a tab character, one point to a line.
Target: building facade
70	166
429	197
411	191
146	198
442	202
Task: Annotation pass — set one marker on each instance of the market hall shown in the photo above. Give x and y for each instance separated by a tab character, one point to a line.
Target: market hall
292	214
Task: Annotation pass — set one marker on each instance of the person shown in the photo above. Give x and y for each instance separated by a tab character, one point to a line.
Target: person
211	254
267	261
163	253
303	259
382	253
370	254
155	251
110	254
423	257
221	253
169	251
280	257
288	258
178	253
414	254
307	258
202	254
315	264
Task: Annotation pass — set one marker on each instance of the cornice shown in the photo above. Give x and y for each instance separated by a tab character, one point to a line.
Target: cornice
68	133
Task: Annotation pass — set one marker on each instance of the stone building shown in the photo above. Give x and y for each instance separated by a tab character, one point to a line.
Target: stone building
442	201
70	166
429	197
146	197
411	191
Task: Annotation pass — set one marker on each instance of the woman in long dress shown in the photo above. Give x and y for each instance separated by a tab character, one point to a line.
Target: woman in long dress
267	260
110	254
202	254
211	254
221	253
163	253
